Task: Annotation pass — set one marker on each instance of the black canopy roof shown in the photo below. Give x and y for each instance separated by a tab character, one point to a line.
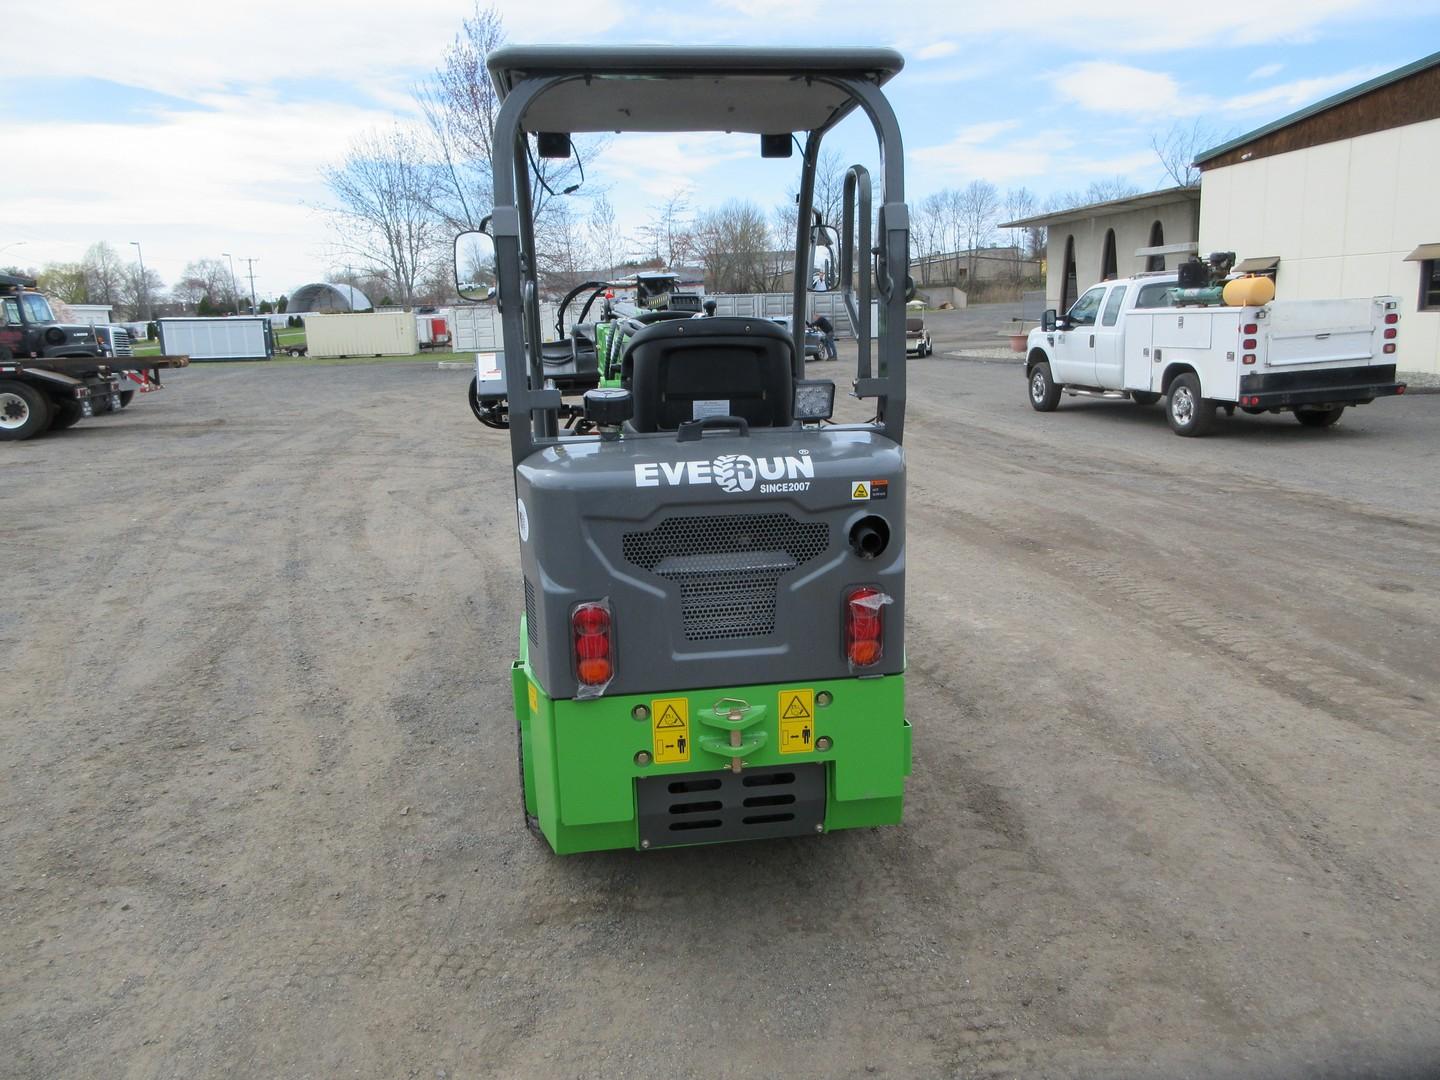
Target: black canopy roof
670	88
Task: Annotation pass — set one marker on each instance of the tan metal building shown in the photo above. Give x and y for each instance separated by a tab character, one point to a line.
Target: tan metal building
1341	199
1104	240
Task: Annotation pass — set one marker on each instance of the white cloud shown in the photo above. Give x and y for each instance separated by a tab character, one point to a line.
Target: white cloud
1045	159
1103	86
1265	71
1297	94
936	50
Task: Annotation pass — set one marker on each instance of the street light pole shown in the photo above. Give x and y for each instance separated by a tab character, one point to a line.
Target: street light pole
234	289
144	283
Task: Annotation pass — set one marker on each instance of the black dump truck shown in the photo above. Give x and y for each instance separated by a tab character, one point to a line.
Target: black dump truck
53	374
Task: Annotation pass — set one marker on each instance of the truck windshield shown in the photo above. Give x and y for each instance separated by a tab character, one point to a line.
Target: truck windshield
37	308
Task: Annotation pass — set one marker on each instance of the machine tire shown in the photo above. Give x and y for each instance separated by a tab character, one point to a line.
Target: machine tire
1319	418
65	414
126	396
1044	393
24	411
1144	397
1189	414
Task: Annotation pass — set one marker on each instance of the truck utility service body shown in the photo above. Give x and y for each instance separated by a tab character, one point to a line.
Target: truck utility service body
1129	337
712	643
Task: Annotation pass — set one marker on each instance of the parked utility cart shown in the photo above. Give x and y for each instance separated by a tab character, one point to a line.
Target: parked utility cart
1203	342
713	640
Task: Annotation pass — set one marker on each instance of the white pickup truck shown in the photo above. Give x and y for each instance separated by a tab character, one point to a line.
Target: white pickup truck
1137	337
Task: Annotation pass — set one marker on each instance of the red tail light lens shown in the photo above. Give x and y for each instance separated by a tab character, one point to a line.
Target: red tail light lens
1392	318
865	626
1248	343
1251	328
590	627
1390	332
1389	347
1248	358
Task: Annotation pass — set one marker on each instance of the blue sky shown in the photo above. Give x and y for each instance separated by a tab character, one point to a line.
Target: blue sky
201	130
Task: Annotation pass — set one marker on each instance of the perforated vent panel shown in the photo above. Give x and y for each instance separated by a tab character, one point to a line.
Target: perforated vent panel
530	629
728	567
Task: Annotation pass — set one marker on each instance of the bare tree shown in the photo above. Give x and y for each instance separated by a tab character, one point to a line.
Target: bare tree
670	234
137	287
977	207
604	236
564	255
384	212
103	273
733	243
206	279
1178	147
1020	203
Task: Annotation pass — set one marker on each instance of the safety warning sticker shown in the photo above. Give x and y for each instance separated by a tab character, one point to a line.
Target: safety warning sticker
670	720
534	699
797	721
860	490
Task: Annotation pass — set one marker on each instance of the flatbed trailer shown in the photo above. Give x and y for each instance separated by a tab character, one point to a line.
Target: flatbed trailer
43	393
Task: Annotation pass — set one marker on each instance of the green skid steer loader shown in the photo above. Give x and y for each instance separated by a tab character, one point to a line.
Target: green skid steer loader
713	643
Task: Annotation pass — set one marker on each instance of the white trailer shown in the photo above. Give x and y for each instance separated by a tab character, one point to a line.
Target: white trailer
242	337
379	333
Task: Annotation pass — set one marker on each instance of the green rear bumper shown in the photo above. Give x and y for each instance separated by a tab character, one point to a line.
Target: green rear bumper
580	757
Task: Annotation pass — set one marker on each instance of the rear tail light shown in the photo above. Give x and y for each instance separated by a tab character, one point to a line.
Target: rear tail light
1248	343
1390	331
1251	328
865	626
1250	401
1248	358
591	630
1389	347
1392	318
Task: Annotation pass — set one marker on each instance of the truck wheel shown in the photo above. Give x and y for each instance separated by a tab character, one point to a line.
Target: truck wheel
531	821
1319	417
1144	397
24	412
66	414
1187	411
1044	394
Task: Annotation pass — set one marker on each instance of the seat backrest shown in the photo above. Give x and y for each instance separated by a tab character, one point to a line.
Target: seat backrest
705	367
914	326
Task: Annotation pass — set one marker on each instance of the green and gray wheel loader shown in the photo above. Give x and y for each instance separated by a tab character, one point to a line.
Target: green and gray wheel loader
713	639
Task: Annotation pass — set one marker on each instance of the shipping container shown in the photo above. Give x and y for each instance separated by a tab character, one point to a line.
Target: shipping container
362	334
242	337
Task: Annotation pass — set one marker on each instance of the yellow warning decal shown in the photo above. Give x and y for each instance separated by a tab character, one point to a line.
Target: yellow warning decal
797	721
860	491
534	699
670	725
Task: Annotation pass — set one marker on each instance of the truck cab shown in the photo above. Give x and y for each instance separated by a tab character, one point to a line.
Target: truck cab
29	328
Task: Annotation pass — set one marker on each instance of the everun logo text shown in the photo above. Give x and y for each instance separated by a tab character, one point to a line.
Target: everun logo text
732	473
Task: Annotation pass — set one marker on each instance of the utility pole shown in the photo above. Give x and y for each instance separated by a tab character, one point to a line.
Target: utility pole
251	264
234	289
144	283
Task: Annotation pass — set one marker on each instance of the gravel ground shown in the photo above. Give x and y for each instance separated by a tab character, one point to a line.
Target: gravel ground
1173	811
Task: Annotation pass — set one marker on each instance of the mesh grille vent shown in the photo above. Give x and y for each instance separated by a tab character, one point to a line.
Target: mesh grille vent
727	568
530	629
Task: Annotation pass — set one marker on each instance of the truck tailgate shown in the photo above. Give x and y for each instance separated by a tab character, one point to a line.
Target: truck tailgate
1322	332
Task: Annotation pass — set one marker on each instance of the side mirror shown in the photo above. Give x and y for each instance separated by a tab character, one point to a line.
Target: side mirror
475	273
824	263
1047	321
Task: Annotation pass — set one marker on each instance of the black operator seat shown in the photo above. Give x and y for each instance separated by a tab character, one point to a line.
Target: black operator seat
746	364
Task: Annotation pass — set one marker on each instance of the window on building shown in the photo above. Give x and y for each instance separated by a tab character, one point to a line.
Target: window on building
1069	285
1112	306
1157	239
1109	267
1430	285
1087	307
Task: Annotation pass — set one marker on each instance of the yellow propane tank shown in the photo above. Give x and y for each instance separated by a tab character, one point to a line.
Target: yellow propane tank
1249	291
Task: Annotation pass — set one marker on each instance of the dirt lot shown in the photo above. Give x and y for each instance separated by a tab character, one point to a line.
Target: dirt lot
1174	810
